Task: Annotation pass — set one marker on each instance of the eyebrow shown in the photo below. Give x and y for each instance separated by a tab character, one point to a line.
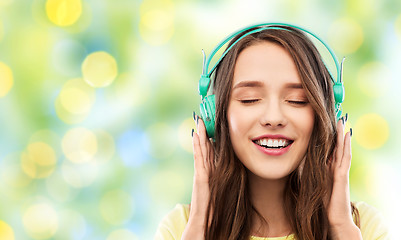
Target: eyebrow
294	85
248	84
259	84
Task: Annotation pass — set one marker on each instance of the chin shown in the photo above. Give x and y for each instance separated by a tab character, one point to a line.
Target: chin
271	175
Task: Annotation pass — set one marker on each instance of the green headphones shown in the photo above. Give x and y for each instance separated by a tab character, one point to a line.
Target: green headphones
208	105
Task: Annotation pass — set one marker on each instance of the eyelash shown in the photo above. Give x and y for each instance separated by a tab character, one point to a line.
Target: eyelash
298	102
249	101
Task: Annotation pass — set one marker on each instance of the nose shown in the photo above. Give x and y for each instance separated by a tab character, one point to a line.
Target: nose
273	115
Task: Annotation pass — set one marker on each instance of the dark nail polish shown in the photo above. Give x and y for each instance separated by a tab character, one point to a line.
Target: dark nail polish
342	120
197	119
346	117
192	134
350	132
193	115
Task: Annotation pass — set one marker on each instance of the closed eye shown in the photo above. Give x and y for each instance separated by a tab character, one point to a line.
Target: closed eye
248	101
301	103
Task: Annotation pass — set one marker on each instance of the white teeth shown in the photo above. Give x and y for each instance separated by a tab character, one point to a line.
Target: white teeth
273	143
264	142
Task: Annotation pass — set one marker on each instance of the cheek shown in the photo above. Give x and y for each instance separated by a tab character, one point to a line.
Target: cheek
238	128
311	121
236	122
306	122
233	124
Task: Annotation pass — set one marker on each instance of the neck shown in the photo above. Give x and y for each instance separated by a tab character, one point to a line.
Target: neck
267	196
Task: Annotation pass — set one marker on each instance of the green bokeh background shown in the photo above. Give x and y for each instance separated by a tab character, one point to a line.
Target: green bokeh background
146	112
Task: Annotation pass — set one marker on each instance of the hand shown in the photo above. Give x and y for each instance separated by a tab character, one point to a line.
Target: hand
339	207
203	164
203	153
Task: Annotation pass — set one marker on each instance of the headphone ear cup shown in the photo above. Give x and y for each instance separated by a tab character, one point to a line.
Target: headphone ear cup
208	114
338	90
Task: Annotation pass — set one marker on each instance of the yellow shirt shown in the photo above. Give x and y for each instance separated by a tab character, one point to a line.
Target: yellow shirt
372	226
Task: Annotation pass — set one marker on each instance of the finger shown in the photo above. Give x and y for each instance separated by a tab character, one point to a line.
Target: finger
204	141
198	158
340	142
200	136
347	155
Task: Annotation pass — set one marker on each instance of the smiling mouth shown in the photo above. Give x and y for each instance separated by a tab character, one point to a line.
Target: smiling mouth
273	143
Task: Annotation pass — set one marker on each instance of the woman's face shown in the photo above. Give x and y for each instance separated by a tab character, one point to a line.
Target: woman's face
270	119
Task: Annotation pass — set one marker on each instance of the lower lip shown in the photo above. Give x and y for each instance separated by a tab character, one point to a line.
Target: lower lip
273	151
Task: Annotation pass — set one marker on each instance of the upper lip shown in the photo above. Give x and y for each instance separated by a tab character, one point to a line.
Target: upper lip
272	136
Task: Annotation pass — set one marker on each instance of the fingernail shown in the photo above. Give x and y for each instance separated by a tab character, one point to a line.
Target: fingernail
350	132
342	119
193	115
197	119
346	117
192	134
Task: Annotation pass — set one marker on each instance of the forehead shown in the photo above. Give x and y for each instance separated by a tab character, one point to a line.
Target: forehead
267	62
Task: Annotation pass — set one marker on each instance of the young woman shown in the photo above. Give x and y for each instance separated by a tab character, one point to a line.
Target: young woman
279	164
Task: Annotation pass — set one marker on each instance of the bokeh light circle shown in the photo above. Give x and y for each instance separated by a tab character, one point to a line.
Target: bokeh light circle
6	232
6	79
346	35
374	79
79	175
74	85
39	160
116	207
63	12
79	145
66	116
75	101
40	221
99	69
156	24
122	234
156	27
371	131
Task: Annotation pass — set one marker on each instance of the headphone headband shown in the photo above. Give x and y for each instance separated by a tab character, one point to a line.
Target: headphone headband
263	26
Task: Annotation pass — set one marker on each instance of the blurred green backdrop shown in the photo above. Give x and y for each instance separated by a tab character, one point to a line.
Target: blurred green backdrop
96	98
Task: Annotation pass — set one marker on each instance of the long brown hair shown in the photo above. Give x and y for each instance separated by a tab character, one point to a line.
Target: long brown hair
230	209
